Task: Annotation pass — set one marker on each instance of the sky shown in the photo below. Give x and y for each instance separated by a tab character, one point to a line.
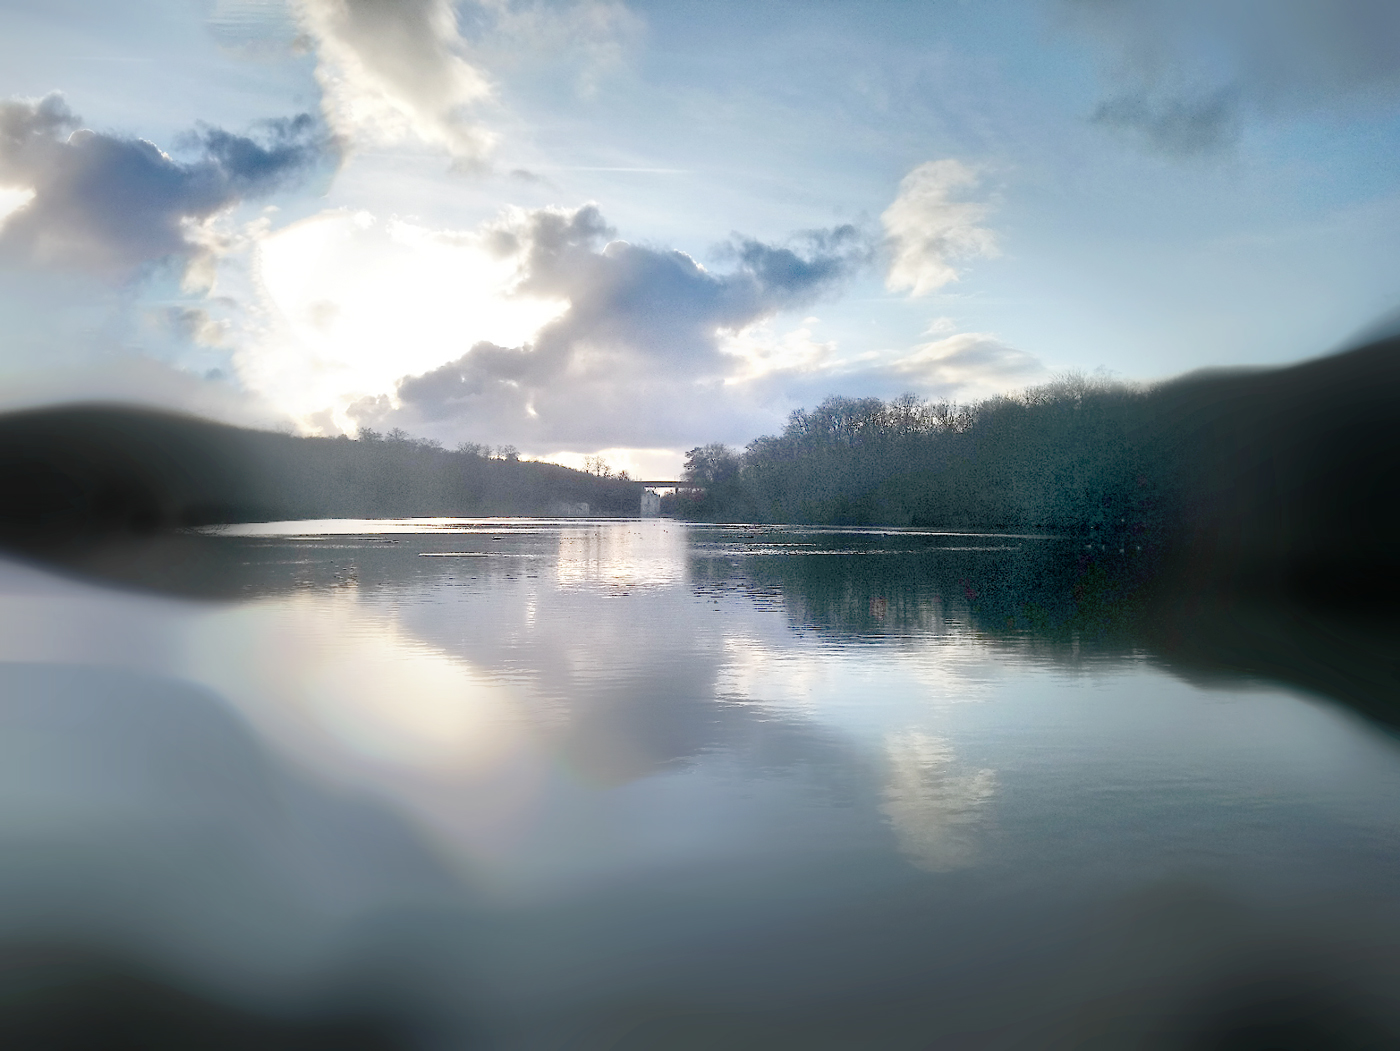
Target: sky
625	229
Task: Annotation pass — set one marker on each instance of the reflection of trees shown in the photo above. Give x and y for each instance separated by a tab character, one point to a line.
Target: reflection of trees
1055	599
1042	592
1062	602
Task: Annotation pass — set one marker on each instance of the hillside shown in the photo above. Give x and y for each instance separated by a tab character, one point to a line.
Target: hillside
78	472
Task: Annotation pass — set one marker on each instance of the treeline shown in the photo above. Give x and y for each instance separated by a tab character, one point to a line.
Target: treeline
1291	472
86	470
1071	455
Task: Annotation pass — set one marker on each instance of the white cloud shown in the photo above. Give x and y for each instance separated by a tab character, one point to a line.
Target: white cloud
973	364
196	326
392	70
96	222
759	351
941	326
799	370
638	358
537	329
932	224
586	41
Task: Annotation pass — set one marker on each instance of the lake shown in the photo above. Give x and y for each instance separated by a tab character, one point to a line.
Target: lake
648	784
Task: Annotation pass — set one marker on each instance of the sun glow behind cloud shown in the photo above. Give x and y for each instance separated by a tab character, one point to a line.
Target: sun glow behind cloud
758	351
354	303
12	200
539	328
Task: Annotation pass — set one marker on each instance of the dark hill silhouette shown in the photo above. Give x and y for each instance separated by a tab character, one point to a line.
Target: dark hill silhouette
79	473
1288	479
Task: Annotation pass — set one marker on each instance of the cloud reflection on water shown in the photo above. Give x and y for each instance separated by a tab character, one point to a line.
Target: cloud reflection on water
727	783
937	810
472	694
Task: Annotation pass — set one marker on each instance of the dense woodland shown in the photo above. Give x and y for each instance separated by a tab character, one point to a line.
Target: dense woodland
1073	455
1246	476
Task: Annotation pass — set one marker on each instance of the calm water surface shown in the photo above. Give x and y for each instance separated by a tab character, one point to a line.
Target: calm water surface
648	784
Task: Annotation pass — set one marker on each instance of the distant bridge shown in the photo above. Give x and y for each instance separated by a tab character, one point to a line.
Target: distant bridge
651	500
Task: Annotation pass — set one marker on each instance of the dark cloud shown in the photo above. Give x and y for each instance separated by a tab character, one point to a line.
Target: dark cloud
783	272
638	318
482	370
290	146
109	205
1176	126
1187	74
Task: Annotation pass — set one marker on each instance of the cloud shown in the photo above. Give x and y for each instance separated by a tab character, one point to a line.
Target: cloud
968	360
964	366
641	335
194	325
761	353
1186	74
396	69
1181	127
932	224
109	205
545	331
584	41
11	200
